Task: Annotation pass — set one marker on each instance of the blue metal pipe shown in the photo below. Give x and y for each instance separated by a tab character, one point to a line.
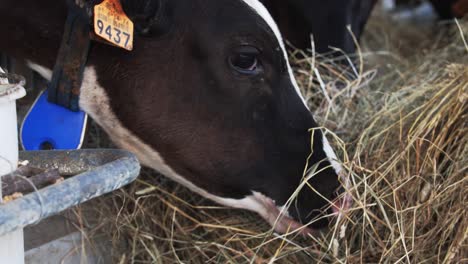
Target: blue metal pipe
99	172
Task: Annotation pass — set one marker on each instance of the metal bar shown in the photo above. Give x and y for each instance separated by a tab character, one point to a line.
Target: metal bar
101	171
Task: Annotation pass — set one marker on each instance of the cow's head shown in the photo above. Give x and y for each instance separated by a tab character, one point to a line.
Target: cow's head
207	97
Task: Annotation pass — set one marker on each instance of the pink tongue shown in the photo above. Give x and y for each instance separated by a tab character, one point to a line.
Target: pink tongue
286	224
342	204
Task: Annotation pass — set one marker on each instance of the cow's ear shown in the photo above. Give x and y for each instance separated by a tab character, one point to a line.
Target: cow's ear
150	17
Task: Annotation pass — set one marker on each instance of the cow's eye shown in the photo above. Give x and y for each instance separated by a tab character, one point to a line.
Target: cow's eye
245	60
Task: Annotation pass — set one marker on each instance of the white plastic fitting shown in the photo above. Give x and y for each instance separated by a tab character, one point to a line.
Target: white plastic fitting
9	93
11	245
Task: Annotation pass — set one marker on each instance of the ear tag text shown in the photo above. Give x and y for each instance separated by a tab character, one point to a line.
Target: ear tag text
113	25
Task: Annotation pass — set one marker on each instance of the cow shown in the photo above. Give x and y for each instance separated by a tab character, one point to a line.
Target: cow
326	21
206	97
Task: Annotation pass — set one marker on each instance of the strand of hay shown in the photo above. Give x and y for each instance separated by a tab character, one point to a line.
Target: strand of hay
403	141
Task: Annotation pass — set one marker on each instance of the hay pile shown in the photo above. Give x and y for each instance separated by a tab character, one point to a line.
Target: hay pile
401	132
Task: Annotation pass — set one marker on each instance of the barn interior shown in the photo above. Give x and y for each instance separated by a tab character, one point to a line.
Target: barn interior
398	116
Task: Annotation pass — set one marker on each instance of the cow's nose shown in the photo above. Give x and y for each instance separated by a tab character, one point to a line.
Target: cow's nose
317	201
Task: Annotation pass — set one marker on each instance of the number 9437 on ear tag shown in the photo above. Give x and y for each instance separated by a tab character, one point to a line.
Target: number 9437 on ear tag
113	25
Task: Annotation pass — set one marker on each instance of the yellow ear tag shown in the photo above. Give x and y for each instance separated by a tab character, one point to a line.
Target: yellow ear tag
112	24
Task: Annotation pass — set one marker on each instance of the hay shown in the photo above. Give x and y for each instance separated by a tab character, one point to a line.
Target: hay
400	128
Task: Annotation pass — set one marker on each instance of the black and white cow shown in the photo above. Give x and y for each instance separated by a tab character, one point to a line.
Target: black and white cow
327	21
207	97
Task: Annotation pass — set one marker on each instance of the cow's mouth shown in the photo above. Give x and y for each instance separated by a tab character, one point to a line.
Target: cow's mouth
282	223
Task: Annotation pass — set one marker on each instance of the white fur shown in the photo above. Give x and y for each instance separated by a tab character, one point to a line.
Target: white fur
43	71
331	155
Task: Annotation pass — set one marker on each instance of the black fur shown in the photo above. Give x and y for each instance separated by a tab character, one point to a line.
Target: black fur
325	20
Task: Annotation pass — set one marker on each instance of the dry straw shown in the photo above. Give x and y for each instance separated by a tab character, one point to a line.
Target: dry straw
399	122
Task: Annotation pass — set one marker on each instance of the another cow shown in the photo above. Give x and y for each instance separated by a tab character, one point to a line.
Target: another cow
326	21
206	97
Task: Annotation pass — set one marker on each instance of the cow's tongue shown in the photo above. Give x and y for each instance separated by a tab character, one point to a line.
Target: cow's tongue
284	224
341	205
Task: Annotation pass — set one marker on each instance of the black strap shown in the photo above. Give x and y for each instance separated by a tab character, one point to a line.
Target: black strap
67	76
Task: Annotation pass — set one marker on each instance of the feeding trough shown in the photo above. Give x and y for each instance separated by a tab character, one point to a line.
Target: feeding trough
86	174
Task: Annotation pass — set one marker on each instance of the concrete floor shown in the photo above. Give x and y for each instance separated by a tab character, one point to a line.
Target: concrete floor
58	240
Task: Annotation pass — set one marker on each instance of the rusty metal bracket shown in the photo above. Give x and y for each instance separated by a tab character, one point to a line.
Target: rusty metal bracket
67	77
